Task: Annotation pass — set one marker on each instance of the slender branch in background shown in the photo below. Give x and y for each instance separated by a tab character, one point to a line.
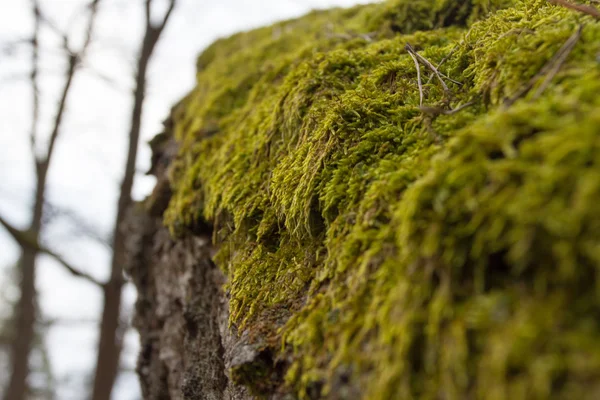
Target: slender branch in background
111	82
29	240
167	16
35	87
589	10
80	227
111	325
74	61
26	309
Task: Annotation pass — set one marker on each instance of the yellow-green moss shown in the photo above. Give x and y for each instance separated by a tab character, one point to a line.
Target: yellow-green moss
412	253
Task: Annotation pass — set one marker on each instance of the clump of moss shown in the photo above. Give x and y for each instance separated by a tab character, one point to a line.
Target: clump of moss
413	251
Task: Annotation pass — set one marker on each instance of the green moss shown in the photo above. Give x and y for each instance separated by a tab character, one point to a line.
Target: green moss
415	253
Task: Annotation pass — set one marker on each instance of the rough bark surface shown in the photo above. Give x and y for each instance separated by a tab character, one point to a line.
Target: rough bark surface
181	311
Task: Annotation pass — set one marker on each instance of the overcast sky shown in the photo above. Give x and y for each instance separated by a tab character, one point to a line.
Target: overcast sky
86	169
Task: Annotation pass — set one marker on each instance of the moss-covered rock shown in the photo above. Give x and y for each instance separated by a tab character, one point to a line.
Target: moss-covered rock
386	248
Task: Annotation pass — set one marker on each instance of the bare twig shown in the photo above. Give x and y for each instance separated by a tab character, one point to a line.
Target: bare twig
446	58
81	228
435	111
28	240
105	78
551	68
432	67
22	343
34	78
74	271
51	25
562	54
74	60
167	15
418	67
589	10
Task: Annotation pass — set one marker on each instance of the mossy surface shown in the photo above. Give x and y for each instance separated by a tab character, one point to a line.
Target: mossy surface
394	250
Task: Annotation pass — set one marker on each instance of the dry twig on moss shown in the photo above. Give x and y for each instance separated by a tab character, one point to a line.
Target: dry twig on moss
429	65
589	10
435	111
550	69
446	58
561	57
418	67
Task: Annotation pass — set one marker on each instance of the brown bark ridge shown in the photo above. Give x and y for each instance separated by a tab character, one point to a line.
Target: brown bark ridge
187	345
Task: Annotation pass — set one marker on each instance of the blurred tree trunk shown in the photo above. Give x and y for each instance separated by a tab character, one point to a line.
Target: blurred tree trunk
25	311
111	327
17	388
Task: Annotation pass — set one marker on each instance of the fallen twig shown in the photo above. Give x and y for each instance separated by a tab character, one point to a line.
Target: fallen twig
418	77
550	69
435	111
425	61
562	55
589	10
446	58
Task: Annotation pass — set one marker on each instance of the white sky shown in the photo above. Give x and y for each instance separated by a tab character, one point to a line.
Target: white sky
86	169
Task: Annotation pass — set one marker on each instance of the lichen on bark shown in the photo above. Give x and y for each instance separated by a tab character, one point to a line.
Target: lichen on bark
378	248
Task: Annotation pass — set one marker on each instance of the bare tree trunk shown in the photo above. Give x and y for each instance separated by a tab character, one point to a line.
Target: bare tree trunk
26	307
25	324
111	332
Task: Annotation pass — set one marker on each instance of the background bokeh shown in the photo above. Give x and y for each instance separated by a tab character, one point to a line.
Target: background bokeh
86	171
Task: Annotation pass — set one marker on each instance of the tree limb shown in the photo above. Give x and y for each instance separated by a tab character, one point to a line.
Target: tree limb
167	15
73	63
27	240
34	78
157	29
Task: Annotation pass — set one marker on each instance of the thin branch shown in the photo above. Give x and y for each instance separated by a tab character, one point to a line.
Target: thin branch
34	78
148	10
93	6
418	67
9	47
28	240
50	322
446	58
74	60
154	31
435	111
167	15
52	25
433	69
589	10
551	67
563	54
81	228
105	79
